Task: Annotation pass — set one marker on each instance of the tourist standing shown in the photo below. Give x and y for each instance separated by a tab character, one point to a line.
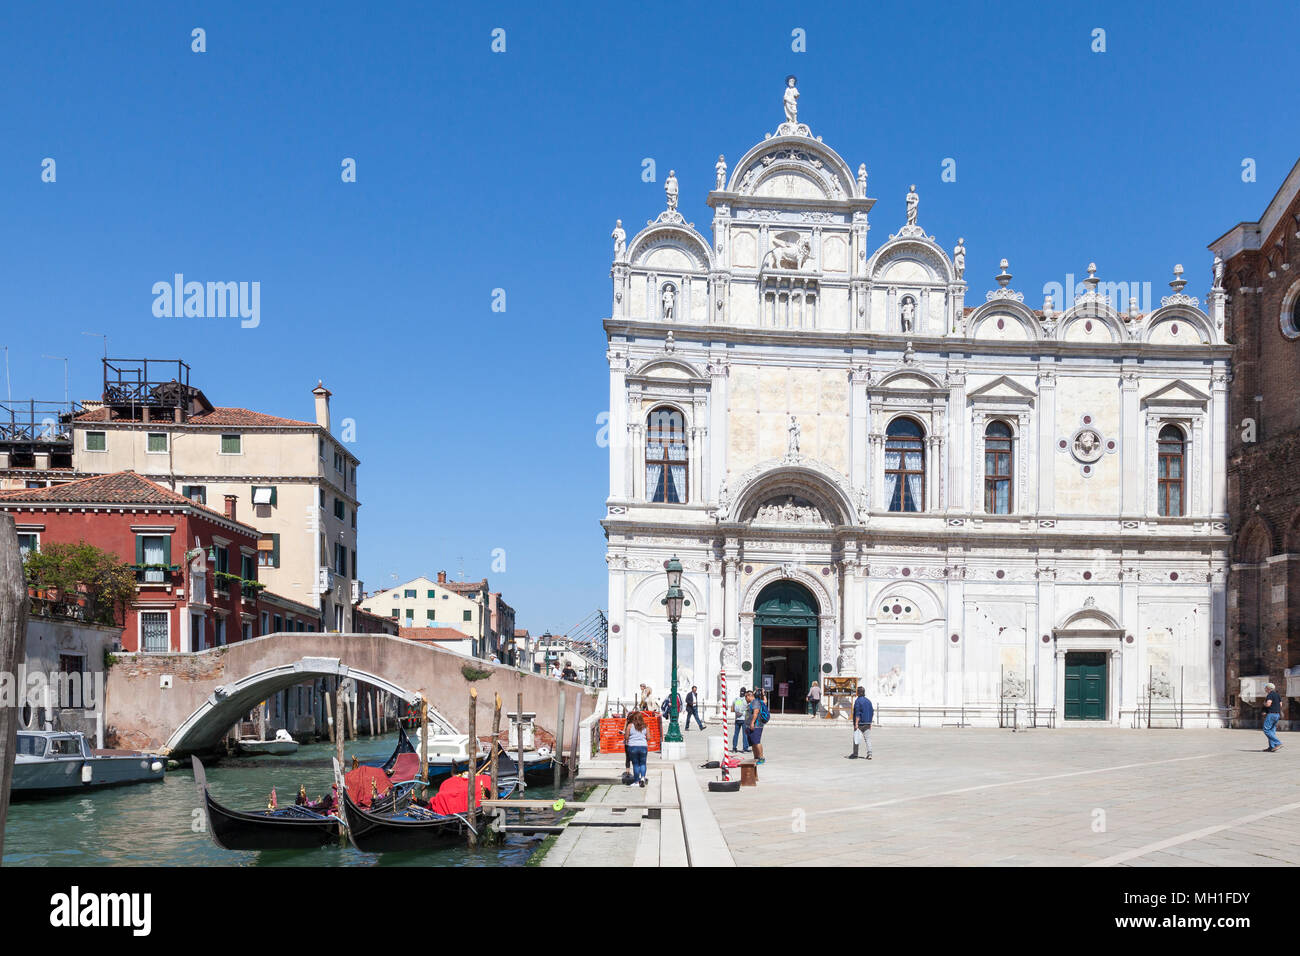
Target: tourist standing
637	746
692	708
756	717
814	699
1272	714
738	708
863	713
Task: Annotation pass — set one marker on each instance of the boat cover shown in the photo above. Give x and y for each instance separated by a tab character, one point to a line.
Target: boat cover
359	782
453	795
406	767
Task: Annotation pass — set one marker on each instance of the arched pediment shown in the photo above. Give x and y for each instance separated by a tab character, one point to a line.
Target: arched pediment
793	167
788	493
910	259
670	369
670	249
1089	619
1180	324
908	377
915	601
1092	321
1004	320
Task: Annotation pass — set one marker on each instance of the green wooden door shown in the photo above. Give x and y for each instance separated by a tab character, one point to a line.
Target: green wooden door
1085	686
786	604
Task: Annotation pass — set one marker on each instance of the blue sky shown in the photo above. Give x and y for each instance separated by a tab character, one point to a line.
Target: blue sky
476	170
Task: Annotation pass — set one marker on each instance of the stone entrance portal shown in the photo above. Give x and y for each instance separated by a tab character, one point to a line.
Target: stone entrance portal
786	643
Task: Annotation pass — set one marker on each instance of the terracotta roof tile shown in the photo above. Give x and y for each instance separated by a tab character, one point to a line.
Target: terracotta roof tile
119	488
217	418
432	634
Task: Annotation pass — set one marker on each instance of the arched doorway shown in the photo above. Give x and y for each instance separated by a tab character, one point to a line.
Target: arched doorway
786	643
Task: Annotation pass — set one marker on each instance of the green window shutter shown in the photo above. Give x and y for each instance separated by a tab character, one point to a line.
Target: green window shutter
468	615
431	594
167	549
428	615
139	549
275	550
273	490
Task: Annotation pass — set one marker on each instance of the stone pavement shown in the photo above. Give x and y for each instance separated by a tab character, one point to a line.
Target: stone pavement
973	797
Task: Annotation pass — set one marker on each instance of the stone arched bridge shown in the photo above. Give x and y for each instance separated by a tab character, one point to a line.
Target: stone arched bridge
210	690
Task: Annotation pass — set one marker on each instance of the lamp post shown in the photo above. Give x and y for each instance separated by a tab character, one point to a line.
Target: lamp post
674	601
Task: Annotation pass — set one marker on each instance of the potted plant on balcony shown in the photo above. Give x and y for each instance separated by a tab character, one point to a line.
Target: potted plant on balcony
89	582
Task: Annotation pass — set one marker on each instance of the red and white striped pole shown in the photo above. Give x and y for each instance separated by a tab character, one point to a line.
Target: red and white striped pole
726	718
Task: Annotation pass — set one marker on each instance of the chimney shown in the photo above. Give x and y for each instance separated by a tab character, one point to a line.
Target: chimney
230	506
322	404
442	577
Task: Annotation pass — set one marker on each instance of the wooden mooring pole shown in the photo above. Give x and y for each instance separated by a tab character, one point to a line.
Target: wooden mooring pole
558	750
496	744
471	804
13	654
329	717
338	751
424	739
519	717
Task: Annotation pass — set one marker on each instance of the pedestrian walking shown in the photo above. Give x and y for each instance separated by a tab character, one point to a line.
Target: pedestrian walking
693	708
814	699
756	717
638	747
739	736
1272	714
863	713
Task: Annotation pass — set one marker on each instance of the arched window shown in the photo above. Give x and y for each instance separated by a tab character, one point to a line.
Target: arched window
1171	450
905	465
999	444
665	456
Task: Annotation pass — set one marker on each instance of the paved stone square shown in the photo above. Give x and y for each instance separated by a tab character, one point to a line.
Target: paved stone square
974	797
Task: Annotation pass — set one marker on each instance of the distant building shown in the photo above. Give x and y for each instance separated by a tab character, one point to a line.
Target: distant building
363	622
447	638
462	605
292	480
1261	278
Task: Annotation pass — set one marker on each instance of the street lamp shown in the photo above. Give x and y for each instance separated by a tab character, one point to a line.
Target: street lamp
674	602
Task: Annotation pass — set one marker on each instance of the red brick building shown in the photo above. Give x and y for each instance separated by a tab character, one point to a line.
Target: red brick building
196	568
1260	264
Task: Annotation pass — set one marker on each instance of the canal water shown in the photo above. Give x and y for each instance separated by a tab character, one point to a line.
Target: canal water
162	823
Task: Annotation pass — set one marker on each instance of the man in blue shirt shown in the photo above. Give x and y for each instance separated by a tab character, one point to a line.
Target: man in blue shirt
754	725
1272	714
863	713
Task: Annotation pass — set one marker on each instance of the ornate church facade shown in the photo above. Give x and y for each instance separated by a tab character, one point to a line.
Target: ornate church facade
964	508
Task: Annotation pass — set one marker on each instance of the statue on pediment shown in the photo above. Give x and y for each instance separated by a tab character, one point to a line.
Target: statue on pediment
913	202
721	168
619	235
791	101
670	189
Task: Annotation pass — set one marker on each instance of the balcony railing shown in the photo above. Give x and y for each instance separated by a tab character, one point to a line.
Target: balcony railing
156	573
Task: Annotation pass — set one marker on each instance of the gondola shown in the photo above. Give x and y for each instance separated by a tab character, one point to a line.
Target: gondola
409	826
401	770
286	828
289	827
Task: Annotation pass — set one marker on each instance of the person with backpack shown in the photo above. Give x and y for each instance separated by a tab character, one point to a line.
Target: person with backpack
756	717
863	714
739	736
637	745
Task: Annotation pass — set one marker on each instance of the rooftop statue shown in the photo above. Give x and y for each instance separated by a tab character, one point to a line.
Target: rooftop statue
791	101
913	201
670	189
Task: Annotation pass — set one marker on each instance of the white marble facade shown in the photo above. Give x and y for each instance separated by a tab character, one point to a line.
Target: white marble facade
783	351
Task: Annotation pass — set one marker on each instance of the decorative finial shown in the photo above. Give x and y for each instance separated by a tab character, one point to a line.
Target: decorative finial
1004	277
1178	281
1092	281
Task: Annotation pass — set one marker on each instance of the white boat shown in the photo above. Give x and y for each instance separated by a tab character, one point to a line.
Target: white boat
54	762
282	744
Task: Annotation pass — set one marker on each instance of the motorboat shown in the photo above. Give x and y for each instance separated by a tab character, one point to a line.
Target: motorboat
281	745
48	762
